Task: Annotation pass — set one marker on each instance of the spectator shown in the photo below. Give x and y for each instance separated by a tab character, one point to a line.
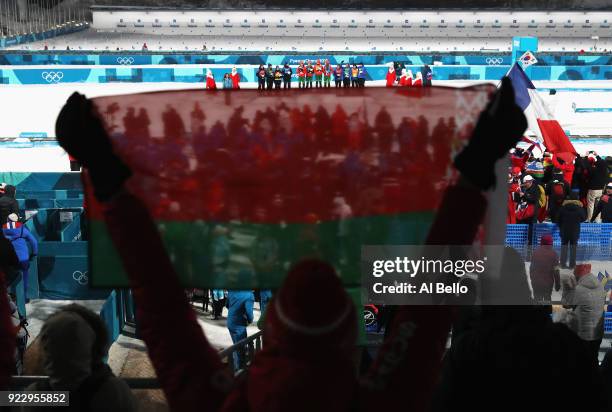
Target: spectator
8	203
346	76
586	304
204	47
235	76
390	78
318	72
327	72
218	302
427	75
529	206
269	77
354	76
557	193
604	206
239	316
264	297
145	47
338	75
287	74
565	164
544	271
227	81
20	236
418	82
278	78
362	75
598	178
21	338
301	73
570	216
210	80
309	74
405	80
74	341
513	198
261	77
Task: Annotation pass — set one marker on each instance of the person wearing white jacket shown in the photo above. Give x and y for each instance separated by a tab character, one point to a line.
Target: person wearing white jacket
586	302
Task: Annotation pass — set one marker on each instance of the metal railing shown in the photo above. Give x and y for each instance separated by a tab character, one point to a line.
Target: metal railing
246	349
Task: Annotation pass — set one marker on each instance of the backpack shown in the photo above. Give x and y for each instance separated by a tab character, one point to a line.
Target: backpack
542	198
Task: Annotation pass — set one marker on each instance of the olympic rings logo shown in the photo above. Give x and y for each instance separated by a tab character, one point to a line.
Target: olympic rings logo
80	277
493	61
125	60
52	77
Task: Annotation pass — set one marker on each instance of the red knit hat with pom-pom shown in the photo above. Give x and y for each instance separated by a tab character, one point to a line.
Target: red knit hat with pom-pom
582	270
295	317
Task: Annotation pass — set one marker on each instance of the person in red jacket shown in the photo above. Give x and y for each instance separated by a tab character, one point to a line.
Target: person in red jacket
391	77
210	80
306	363
513	190
301	73
565	163
235	78
318	72
544	270
418	82
406	78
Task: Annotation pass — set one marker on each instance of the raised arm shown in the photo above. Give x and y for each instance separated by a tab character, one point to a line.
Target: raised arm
188	368
406	369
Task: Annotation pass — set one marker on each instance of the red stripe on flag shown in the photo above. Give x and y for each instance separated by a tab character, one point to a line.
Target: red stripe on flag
555	139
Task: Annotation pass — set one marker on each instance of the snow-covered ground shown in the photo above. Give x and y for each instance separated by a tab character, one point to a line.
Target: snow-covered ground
34	108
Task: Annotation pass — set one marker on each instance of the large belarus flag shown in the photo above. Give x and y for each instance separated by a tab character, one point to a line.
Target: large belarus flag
243	183
540	120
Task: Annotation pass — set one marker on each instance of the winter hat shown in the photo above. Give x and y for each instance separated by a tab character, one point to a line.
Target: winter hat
582	269
527	178
13	218
516	171
293	321
609	185
546	240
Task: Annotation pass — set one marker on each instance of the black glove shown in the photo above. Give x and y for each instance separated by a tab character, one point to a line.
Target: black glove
81	133
500	126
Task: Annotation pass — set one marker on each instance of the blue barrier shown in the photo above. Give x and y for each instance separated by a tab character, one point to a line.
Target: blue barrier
111	316
110	58
595	241
608	322
192	74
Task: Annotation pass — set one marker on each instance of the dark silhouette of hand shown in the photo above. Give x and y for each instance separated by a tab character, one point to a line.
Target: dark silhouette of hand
81	133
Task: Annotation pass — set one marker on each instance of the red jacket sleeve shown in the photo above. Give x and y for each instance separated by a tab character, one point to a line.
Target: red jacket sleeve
406	369
187	366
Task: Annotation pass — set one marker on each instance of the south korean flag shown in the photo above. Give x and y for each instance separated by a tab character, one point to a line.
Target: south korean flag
527	59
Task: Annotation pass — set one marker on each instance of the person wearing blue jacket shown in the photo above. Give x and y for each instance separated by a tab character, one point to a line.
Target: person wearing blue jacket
362	75
20	236
239	316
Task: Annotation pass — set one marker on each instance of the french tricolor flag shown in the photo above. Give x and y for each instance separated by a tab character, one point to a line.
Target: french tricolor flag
540	120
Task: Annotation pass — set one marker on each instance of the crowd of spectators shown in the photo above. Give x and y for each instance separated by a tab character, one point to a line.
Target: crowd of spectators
561	189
